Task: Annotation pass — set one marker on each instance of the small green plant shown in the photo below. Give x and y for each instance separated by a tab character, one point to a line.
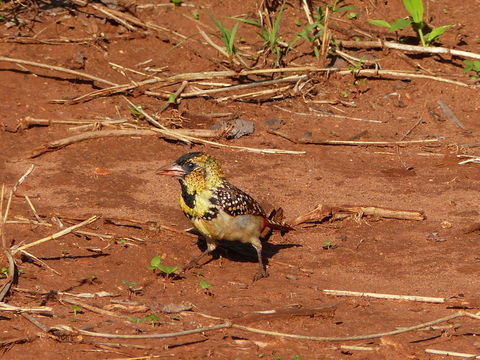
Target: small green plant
334	6
396	25
352	15
176	2
314	31
311	33
129	283
152	319
227	36
470	66
328	245
156	264
4	272
205	285
270	36
172	98
136	111
195	14
76	309
415	10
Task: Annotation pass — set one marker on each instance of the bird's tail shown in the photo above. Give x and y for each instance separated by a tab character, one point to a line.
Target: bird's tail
275	221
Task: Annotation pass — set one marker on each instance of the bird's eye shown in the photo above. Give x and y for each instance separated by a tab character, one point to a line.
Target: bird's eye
190	166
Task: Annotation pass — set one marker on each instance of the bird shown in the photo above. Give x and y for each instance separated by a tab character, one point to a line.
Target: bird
218	209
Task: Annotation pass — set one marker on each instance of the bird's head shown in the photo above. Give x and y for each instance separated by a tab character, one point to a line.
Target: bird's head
195	169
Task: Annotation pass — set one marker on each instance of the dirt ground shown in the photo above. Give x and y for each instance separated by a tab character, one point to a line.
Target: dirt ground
114	178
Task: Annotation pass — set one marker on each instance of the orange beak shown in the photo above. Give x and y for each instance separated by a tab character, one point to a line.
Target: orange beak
174	170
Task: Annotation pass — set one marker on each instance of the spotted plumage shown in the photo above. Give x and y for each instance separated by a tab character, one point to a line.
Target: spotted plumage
218	209
234	201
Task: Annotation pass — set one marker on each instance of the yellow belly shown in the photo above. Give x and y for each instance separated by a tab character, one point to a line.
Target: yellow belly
235	228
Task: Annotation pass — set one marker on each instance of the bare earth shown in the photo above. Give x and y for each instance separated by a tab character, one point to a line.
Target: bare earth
114	178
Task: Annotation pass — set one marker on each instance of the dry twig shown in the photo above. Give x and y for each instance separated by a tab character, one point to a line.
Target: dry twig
404	75
92	308
150	336
58	144
325	114
5	343
452	353
346	338
385	296
405	47
44	310
188	139
57	68
449	114
325	212
373	143
63	232
64	293
291	79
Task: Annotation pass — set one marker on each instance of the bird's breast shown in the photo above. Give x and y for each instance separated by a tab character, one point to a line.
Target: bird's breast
226	227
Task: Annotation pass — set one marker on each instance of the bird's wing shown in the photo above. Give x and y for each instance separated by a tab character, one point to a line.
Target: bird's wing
235	202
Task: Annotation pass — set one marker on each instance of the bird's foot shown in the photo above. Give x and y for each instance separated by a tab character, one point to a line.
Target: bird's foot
259	275
191	265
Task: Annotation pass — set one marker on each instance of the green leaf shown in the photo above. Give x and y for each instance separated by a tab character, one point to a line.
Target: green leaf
415	9
150	318
76	309
129	283
167	269
155	262
352	15
176	2
435	33
247	21
468	67
380	23
195	14
400	24
319	14
134	319
204	285
344	8
172	98
231	39
227	36
476	65
3	272
153	319
135	110
278	19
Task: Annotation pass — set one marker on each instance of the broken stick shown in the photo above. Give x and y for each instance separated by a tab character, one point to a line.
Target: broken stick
324	212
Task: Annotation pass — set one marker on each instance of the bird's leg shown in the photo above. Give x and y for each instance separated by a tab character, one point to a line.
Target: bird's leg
262	272
211	245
